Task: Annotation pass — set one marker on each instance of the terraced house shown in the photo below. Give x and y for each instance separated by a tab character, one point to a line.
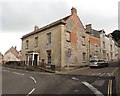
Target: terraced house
61	43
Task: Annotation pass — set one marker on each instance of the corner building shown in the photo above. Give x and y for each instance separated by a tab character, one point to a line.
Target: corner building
61	43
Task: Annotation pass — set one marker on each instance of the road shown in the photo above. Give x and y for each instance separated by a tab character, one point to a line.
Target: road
87	81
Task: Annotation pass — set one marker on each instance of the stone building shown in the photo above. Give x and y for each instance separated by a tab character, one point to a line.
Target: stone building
61	43
11	55
94	42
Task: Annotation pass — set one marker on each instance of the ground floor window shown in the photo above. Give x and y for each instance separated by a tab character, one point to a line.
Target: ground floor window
48	56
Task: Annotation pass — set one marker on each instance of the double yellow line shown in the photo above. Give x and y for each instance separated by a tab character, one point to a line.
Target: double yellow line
110	88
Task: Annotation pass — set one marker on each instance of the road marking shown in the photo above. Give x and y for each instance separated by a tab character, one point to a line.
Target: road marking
74	78
102	74
114	71
93	89
18	73
110	88
5	70
109	74
94	73
33	79
31	91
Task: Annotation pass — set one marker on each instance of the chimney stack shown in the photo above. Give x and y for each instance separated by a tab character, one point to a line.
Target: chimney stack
73	11
88	27
36	28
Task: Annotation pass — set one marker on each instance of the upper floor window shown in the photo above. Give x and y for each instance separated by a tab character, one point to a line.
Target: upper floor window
110	47
36	41
49	38
83	40
27	44
67	35
103	44
96	47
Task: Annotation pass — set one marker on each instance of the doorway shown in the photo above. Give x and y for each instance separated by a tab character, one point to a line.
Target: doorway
35	59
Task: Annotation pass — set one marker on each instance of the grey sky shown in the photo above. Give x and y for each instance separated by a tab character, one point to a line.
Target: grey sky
19	18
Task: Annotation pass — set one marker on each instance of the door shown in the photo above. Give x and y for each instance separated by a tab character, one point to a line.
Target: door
35	59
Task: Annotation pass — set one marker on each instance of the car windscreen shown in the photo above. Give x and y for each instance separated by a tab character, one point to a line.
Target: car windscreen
93	61
100	60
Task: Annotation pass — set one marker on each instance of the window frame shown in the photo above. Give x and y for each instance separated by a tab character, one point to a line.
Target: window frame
49	38
27	44
36	41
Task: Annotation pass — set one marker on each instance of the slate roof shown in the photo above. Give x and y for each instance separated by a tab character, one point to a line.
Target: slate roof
60	21
95	33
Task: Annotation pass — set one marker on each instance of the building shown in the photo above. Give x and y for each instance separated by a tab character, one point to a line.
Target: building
61	43
109	48
1	57
94	42
11	55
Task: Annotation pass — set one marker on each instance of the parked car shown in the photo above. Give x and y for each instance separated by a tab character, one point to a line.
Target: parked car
98	63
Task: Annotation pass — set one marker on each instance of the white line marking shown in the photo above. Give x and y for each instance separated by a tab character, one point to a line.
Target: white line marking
33	79
74	78
18	73
114	71
109	74
110	88
5	70
31	91
102	74
99	73
94	73
93	89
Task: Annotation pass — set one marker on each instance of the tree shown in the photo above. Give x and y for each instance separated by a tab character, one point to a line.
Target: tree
116	36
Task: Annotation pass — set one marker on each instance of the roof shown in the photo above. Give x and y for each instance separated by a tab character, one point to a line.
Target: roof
60	21
95	33
12	50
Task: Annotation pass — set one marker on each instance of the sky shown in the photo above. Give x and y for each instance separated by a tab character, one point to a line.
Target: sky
18	17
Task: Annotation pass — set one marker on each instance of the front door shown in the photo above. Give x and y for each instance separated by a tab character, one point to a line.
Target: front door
35	59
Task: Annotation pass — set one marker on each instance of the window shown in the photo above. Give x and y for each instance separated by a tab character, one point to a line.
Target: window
48	56
27	44
48	38
110	47
96	47
67	35
84	57
83	40
36	41
103	44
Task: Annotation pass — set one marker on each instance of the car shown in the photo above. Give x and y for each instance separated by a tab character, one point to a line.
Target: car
98	63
